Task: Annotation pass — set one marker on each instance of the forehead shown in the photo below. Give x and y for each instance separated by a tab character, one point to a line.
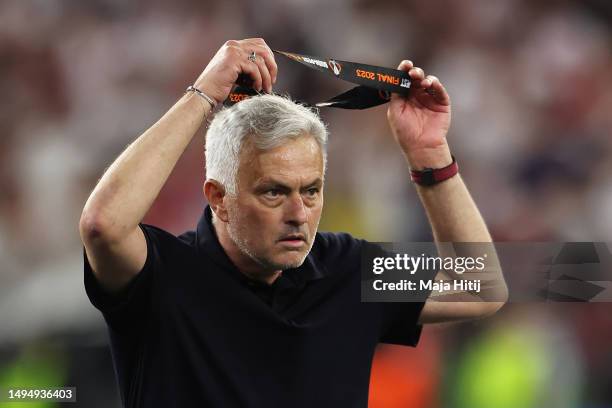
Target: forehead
295	160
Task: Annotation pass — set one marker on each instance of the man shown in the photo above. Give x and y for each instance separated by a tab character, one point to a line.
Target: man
255	308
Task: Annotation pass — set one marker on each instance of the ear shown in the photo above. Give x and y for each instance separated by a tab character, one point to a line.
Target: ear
215	194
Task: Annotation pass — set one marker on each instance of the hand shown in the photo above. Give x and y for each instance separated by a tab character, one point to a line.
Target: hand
231	60
420	120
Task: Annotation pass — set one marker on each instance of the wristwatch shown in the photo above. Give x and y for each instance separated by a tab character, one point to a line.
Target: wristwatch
429	177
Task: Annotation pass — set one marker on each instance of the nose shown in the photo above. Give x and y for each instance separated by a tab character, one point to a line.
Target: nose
295	210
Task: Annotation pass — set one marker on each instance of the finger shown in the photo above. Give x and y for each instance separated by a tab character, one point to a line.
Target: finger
416	74
262	49
270	62
405	65
252	70
437	91
440	94
265	74
267	58
429	81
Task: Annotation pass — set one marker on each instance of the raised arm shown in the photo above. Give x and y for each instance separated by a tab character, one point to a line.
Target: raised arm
420	124
115	245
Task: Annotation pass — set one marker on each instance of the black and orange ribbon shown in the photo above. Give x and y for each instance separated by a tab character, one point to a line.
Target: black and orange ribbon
375	84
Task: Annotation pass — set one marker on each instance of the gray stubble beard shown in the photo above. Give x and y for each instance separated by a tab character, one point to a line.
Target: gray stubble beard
235	236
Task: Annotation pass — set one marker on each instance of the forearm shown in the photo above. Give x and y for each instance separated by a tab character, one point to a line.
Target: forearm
452	213
130	185
455	218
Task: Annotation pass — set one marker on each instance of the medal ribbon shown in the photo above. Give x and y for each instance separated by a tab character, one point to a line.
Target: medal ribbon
375	83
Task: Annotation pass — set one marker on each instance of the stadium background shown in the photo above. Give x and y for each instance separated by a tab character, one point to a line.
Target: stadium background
530	83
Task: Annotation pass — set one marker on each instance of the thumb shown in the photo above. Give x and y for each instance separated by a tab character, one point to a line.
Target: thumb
396	103
395	108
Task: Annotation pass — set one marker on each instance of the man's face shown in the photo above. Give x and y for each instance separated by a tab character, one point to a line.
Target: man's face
274	217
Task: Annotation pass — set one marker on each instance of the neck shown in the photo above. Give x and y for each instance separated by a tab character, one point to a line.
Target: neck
245	264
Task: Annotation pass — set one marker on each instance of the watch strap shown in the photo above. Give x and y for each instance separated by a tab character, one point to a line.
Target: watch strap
429	177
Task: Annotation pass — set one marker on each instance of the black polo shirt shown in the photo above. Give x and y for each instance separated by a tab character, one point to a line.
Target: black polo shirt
192	331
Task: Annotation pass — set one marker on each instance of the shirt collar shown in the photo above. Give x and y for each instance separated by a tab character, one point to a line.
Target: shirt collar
208	245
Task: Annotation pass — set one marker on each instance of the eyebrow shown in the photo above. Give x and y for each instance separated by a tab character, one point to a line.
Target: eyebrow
270	182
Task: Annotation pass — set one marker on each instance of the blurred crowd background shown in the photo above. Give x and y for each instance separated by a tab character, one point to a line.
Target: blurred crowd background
531	87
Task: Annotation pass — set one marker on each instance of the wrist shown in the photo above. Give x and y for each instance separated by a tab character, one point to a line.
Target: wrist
430	176
209	89
429	158
195	104
203	95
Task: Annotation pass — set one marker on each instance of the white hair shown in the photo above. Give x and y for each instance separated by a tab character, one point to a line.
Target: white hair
267	120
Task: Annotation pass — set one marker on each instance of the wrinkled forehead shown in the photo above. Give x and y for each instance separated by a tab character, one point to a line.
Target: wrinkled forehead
294	160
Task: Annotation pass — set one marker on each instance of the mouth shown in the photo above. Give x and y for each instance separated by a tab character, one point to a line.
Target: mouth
293	240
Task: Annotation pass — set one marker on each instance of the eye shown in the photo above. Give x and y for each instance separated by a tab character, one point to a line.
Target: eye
272	193
312	192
